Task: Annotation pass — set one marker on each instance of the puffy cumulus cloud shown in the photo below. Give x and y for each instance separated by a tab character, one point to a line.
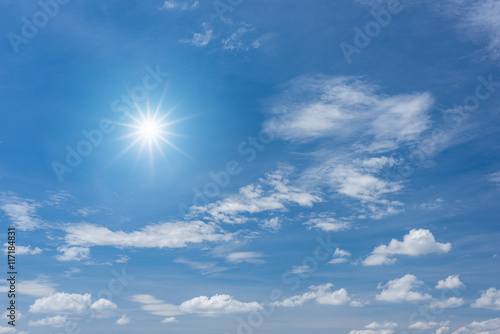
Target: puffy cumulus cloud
322	295
72	253
452	302
400	290
322	106
200	39
24	250
271	193
62	302
327	224
103	304
21	212
489	299
168	320
416	242
163	235
450	282
124	320
56	321
218	304
491	326
240	257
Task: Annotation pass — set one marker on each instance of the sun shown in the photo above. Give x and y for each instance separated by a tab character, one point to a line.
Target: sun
150	130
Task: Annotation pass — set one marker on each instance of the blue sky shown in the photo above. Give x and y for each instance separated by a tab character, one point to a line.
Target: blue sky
252	166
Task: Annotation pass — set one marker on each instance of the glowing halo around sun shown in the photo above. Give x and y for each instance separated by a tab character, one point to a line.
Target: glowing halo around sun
150	130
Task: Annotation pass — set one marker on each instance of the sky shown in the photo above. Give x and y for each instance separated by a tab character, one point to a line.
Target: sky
238	167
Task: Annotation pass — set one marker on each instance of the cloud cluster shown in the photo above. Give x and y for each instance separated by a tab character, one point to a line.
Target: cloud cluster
321	294
62	302
271	193
401	290
416	242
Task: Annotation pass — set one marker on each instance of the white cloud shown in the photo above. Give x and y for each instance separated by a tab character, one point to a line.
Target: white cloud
495	178
313	107
450	282
72	253
321	294
338	260
341	253
180	5
327	224
491	326
218	304
103	304
427	325
340	256
38	288
416	242
378	325
23	250
62	302
400	290
163	235
156	306
7	330
237	41
169	320
203	267
124	320
200	39
452	302
272	224
300	269
240	257
482	17
270	194
489	299
56	321
372	331
442	330
22	212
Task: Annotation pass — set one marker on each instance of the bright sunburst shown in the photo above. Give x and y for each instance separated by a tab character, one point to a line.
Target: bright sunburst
150	131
